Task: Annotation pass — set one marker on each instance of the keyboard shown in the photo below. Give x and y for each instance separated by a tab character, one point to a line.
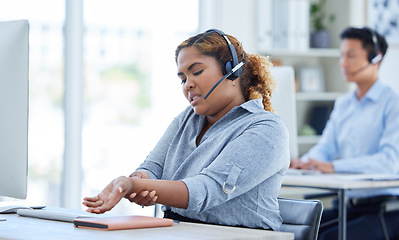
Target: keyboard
64	215
291	171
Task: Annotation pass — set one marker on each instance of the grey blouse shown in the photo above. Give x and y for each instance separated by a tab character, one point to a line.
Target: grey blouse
235	173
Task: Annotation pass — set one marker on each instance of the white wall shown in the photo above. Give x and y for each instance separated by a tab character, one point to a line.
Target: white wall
389	68
234	17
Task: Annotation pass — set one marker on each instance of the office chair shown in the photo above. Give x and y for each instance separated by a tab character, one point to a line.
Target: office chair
301	217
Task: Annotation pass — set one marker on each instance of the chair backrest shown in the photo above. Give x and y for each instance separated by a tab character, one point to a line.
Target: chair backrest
301	217
283	101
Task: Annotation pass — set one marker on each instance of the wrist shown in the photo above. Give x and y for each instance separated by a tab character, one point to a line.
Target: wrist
134	185
130	188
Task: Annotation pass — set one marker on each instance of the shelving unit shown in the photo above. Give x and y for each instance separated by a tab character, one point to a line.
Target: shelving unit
334	85
351	13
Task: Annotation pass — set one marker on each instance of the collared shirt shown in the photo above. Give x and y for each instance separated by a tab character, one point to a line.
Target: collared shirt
235	173
362	136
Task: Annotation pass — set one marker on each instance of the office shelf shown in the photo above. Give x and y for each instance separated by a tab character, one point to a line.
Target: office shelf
317	96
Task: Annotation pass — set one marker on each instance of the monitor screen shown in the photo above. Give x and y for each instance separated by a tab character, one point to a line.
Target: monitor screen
283	101
14	54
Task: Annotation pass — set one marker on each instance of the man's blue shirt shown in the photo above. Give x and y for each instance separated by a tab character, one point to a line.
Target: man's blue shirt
362	136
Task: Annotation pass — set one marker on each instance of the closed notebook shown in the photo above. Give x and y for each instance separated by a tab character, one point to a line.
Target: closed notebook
122	222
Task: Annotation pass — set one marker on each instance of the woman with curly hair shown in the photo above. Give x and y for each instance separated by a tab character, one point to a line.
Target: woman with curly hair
222	159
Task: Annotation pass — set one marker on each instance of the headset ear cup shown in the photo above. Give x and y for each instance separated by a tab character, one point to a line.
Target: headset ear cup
228	68
371	56
238	72
376	59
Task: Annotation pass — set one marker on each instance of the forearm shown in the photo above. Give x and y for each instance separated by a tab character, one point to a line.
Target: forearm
170	193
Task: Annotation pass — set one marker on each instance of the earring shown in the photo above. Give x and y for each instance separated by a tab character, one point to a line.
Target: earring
234	83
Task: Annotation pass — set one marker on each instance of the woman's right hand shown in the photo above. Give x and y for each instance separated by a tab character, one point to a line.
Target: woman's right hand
110	196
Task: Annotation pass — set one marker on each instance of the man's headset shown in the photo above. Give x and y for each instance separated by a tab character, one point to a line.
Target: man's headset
375	56
233	69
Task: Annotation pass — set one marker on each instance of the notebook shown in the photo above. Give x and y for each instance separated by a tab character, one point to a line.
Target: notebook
122	222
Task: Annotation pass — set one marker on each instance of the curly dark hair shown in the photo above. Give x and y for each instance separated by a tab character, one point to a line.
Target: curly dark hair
256	81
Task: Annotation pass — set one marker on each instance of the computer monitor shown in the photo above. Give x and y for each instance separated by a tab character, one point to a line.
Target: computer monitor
284	103
14	54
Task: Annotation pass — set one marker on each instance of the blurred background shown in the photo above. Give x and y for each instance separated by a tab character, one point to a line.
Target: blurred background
130	88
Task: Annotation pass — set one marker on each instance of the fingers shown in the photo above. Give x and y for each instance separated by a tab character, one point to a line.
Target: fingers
324	167
316	165
103	206
115	191
306	165
152	201
295	163
92	201
93	204
145	198
109	197
111	200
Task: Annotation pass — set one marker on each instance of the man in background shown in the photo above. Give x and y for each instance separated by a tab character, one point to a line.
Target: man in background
361	136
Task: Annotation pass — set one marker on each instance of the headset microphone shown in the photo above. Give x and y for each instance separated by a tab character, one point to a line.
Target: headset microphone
375	60
223	78
359	70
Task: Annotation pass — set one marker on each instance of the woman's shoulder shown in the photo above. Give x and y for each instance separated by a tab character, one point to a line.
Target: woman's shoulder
268	122
258	114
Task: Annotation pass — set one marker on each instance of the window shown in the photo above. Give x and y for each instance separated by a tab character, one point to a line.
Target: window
46	136
131	91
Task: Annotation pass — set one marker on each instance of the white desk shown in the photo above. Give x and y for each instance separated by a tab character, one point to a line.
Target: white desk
339	183
16	227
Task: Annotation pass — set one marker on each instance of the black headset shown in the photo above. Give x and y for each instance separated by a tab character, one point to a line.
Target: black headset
374	57
230	64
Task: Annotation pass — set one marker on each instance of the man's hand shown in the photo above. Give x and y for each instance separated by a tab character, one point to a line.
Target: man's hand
313	164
